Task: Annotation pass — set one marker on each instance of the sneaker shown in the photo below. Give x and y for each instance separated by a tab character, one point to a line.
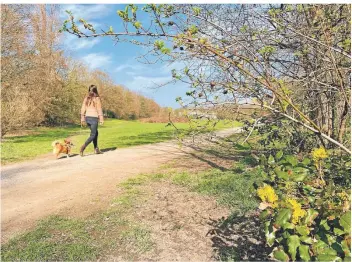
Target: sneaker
97	151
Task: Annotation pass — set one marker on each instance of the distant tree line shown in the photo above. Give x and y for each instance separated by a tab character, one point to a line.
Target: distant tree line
41	86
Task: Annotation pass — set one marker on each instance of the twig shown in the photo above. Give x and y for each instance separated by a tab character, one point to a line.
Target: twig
170	121
303	35
256	121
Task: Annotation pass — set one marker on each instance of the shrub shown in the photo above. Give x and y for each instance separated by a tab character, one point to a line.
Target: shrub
305	207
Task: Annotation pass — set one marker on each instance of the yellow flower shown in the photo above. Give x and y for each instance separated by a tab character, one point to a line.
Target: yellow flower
319	153
267	194
298	212
343	195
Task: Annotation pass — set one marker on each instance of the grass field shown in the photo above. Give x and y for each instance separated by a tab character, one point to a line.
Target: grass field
114	134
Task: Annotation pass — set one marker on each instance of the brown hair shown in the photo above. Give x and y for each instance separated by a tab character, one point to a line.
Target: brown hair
92	93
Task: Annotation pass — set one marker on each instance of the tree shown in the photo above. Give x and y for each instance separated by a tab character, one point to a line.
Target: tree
292	60
40	86
30	64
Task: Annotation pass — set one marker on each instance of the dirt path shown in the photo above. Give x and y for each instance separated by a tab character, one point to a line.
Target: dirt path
180	223
75	186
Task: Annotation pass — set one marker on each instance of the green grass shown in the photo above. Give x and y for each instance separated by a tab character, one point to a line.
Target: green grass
114	134
66	239
233	188
54	238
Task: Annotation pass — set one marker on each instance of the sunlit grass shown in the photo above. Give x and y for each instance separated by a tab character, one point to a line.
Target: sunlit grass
114	134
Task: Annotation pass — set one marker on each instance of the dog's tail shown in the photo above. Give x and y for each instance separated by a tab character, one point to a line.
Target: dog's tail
55	142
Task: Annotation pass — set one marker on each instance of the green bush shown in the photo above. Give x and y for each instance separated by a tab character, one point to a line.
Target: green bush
306	206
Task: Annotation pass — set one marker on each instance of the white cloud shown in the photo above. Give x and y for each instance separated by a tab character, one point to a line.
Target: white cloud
135	67
90	13
96	60
86	43
132	68
131	73
74	43
166	68
146	84
87	12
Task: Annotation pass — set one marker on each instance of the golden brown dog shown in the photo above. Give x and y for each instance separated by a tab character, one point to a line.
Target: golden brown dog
62	148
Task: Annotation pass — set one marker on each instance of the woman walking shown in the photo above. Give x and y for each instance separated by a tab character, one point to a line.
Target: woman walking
91	113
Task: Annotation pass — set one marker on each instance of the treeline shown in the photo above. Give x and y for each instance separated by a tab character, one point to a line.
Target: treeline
118	102
40	86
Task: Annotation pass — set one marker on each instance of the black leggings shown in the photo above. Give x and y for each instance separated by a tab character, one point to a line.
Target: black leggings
92	122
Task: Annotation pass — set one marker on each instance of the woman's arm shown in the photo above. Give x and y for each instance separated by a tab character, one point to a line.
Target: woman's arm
100	110
83	110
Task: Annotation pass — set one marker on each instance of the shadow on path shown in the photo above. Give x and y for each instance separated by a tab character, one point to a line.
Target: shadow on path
238	237
108	149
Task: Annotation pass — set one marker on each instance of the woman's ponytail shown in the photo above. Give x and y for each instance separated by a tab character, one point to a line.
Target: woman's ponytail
92	92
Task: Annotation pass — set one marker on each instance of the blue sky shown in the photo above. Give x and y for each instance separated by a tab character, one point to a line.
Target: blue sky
119	60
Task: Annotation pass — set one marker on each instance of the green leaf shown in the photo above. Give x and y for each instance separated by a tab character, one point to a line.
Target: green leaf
306	161
281	255
308	189
301	170
165	50
279	155
292	160
137	24
271	160
331	238
263	161
159	44
269	234
283	216
193	29
311	199
347	258
120	13
324	257
304	252
286	234
346	248
186	70
264	214
196	10
293	243
299	177
267	50
243	29
338	231
281	174
345	222
302	230
288	226
311	215
324	224
319	247
306	239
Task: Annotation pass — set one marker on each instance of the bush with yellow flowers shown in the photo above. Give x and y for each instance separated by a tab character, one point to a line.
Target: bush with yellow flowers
305	206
